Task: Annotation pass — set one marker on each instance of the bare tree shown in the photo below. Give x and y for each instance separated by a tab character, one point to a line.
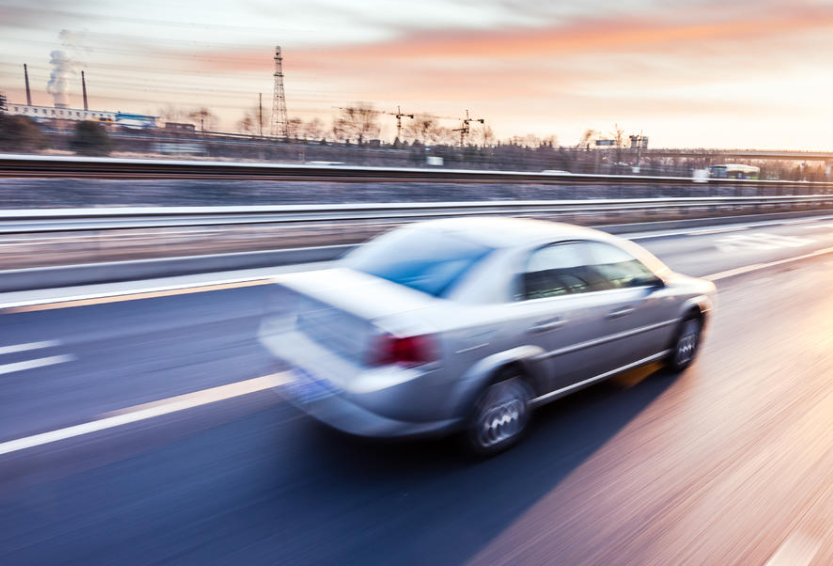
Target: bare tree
359	122
204	117
483	136
589	136
171	113
619	139
618	136
248	124
428	130
294	128
313	130
531	141
550	141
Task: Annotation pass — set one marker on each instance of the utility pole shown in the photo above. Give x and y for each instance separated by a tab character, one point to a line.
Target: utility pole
465	127
260	114
641	143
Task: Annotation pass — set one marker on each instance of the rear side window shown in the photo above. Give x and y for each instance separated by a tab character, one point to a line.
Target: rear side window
431	261
560	269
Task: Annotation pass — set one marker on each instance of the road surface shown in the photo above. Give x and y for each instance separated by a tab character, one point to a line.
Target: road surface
144	430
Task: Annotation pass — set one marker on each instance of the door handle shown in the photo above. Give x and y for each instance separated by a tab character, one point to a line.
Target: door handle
619	313
546	325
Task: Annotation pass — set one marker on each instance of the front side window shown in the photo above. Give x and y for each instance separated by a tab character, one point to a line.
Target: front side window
560	269
617	267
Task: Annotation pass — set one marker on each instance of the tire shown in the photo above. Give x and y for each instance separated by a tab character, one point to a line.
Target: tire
686	344
500	415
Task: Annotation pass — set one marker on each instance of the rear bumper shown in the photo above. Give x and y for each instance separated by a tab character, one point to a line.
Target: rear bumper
345	396
327	405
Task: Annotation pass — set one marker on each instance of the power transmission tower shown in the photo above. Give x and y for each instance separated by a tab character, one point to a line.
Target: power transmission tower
465	127
279	121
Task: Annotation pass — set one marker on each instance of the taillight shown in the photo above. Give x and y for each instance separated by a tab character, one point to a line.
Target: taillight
409	351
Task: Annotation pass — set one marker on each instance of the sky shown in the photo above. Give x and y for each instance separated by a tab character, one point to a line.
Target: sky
699	73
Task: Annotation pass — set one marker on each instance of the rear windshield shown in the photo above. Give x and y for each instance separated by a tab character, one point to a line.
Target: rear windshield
430	261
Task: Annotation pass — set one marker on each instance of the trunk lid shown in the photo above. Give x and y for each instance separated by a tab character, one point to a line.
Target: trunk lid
344	310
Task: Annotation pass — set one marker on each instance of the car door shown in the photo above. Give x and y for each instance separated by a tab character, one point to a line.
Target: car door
639	313
557	312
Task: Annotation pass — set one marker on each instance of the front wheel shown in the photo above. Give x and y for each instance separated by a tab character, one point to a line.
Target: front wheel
686	344
500	416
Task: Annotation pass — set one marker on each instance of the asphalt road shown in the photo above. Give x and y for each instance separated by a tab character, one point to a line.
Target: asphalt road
728	463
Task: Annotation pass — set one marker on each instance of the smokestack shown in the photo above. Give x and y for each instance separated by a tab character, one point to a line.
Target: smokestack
84	88
28	92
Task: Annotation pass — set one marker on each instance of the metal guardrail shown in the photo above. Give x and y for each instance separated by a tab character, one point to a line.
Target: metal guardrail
46	166
94	219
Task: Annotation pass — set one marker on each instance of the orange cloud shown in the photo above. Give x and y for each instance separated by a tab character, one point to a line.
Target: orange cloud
586	36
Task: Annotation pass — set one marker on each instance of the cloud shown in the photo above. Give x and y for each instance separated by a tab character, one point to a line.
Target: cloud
636	34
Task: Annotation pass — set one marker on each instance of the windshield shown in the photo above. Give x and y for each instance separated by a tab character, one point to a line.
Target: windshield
430	261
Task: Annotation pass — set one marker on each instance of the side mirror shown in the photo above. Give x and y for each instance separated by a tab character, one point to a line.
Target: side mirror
657	282
650	281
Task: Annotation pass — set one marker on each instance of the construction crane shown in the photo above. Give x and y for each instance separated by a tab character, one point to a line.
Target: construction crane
399	115
465	127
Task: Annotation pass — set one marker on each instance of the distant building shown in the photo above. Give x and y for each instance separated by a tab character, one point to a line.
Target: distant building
44	113
49	113
180	127
135	121
174	148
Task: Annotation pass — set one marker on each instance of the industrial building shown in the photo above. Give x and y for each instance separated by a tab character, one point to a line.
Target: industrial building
49	113
60	111
42	113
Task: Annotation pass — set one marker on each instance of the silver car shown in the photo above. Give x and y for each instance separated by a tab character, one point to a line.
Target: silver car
467	325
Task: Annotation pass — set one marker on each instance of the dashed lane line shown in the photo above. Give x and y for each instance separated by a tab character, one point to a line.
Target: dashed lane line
122	296
148	411
759	266
36	363
14	348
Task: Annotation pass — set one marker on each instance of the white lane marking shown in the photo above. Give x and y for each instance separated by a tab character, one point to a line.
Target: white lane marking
797	550
37	363
139	291
784	241
149	411
689	232
717	231
267	278
758	241
14	348
729	228
825	226
758	266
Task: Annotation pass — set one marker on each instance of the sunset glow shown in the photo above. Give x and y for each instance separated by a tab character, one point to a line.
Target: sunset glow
702	74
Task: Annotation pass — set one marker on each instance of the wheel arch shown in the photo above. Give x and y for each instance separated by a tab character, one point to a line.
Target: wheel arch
487	370
699	305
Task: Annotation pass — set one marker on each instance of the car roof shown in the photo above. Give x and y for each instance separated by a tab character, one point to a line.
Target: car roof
503	232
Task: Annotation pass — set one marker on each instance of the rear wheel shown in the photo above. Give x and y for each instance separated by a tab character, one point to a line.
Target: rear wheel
686	344
500	416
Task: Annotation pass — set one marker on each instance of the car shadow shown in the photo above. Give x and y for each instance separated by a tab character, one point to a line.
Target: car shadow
426	503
